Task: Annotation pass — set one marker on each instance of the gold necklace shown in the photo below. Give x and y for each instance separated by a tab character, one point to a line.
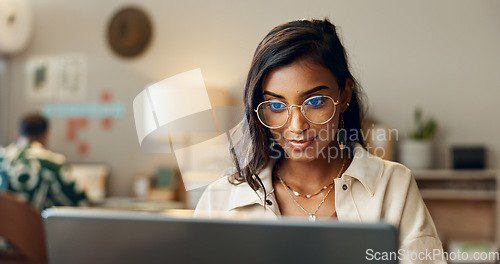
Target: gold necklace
308	196
312	217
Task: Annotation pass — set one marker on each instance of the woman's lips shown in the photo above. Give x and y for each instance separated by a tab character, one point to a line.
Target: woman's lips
300	144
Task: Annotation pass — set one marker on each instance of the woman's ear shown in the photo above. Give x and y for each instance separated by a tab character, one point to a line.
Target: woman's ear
346	95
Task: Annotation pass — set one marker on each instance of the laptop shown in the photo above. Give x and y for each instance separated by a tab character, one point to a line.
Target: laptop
76	235
91	177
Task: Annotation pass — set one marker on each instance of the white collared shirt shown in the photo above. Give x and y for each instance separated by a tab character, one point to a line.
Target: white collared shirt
370	190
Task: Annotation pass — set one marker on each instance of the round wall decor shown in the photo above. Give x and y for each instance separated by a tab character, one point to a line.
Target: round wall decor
15	26
129	32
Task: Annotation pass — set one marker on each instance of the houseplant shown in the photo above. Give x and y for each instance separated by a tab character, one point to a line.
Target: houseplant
424	130
416	152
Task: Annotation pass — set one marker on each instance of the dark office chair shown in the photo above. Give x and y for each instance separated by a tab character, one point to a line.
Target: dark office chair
22	226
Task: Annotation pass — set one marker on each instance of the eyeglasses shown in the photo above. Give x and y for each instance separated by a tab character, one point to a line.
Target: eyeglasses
317	110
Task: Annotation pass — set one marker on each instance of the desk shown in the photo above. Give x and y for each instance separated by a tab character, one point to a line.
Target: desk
465	204
135	204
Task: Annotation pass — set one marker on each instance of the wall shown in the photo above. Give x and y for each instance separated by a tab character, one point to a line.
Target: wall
3	101
441	55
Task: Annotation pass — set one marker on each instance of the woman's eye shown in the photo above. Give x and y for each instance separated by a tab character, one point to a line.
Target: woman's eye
276	106
314	101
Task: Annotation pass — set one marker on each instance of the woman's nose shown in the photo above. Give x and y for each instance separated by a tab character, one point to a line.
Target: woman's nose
298	122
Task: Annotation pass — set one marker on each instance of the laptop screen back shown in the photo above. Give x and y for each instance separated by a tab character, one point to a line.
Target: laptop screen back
98	236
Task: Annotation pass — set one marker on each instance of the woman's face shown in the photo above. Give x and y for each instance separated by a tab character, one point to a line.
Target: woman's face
293	84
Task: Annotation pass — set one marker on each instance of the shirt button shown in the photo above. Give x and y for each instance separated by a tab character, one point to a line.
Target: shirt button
344	187
268	202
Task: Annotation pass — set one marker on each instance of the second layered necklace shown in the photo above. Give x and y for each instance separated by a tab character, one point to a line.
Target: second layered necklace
292	193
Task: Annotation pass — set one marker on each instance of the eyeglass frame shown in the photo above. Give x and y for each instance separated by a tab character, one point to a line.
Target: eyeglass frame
335	103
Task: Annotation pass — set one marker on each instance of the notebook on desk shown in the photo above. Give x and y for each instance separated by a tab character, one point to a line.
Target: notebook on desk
103	236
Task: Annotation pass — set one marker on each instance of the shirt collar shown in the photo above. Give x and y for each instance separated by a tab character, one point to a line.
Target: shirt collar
365	167
244	195
36	144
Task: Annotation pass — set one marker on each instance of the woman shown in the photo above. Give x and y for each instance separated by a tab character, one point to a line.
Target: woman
293	162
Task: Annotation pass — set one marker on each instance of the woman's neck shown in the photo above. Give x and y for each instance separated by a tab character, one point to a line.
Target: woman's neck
311	175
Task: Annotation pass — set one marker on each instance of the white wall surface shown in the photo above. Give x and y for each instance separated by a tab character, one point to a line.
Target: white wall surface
441	55
3	101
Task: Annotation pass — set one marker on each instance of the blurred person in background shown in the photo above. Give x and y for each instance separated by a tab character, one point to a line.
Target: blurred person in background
34	172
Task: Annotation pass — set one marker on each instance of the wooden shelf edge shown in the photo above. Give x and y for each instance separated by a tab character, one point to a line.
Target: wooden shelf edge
454	174
442	194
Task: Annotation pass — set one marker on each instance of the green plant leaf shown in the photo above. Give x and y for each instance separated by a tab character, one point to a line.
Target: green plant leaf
423	129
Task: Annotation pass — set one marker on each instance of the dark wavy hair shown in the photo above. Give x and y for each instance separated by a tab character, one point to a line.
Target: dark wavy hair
33	125
316	40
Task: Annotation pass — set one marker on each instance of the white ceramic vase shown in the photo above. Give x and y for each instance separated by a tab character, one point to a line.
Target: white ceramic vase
416	154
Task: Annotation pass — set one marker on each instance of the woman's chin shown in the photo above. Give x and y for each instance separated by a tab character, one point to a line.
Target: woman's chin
311	153
302	156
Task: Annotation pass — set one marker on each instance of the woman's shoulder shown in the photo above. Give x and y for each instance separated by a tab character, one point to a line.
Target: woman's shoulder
217	195
373	170
363	160
398	179
396	168
225	183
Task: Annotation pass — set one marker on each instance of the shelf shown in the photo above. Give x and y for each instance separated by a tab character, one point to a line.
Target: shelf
464	204
454	174
442	194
